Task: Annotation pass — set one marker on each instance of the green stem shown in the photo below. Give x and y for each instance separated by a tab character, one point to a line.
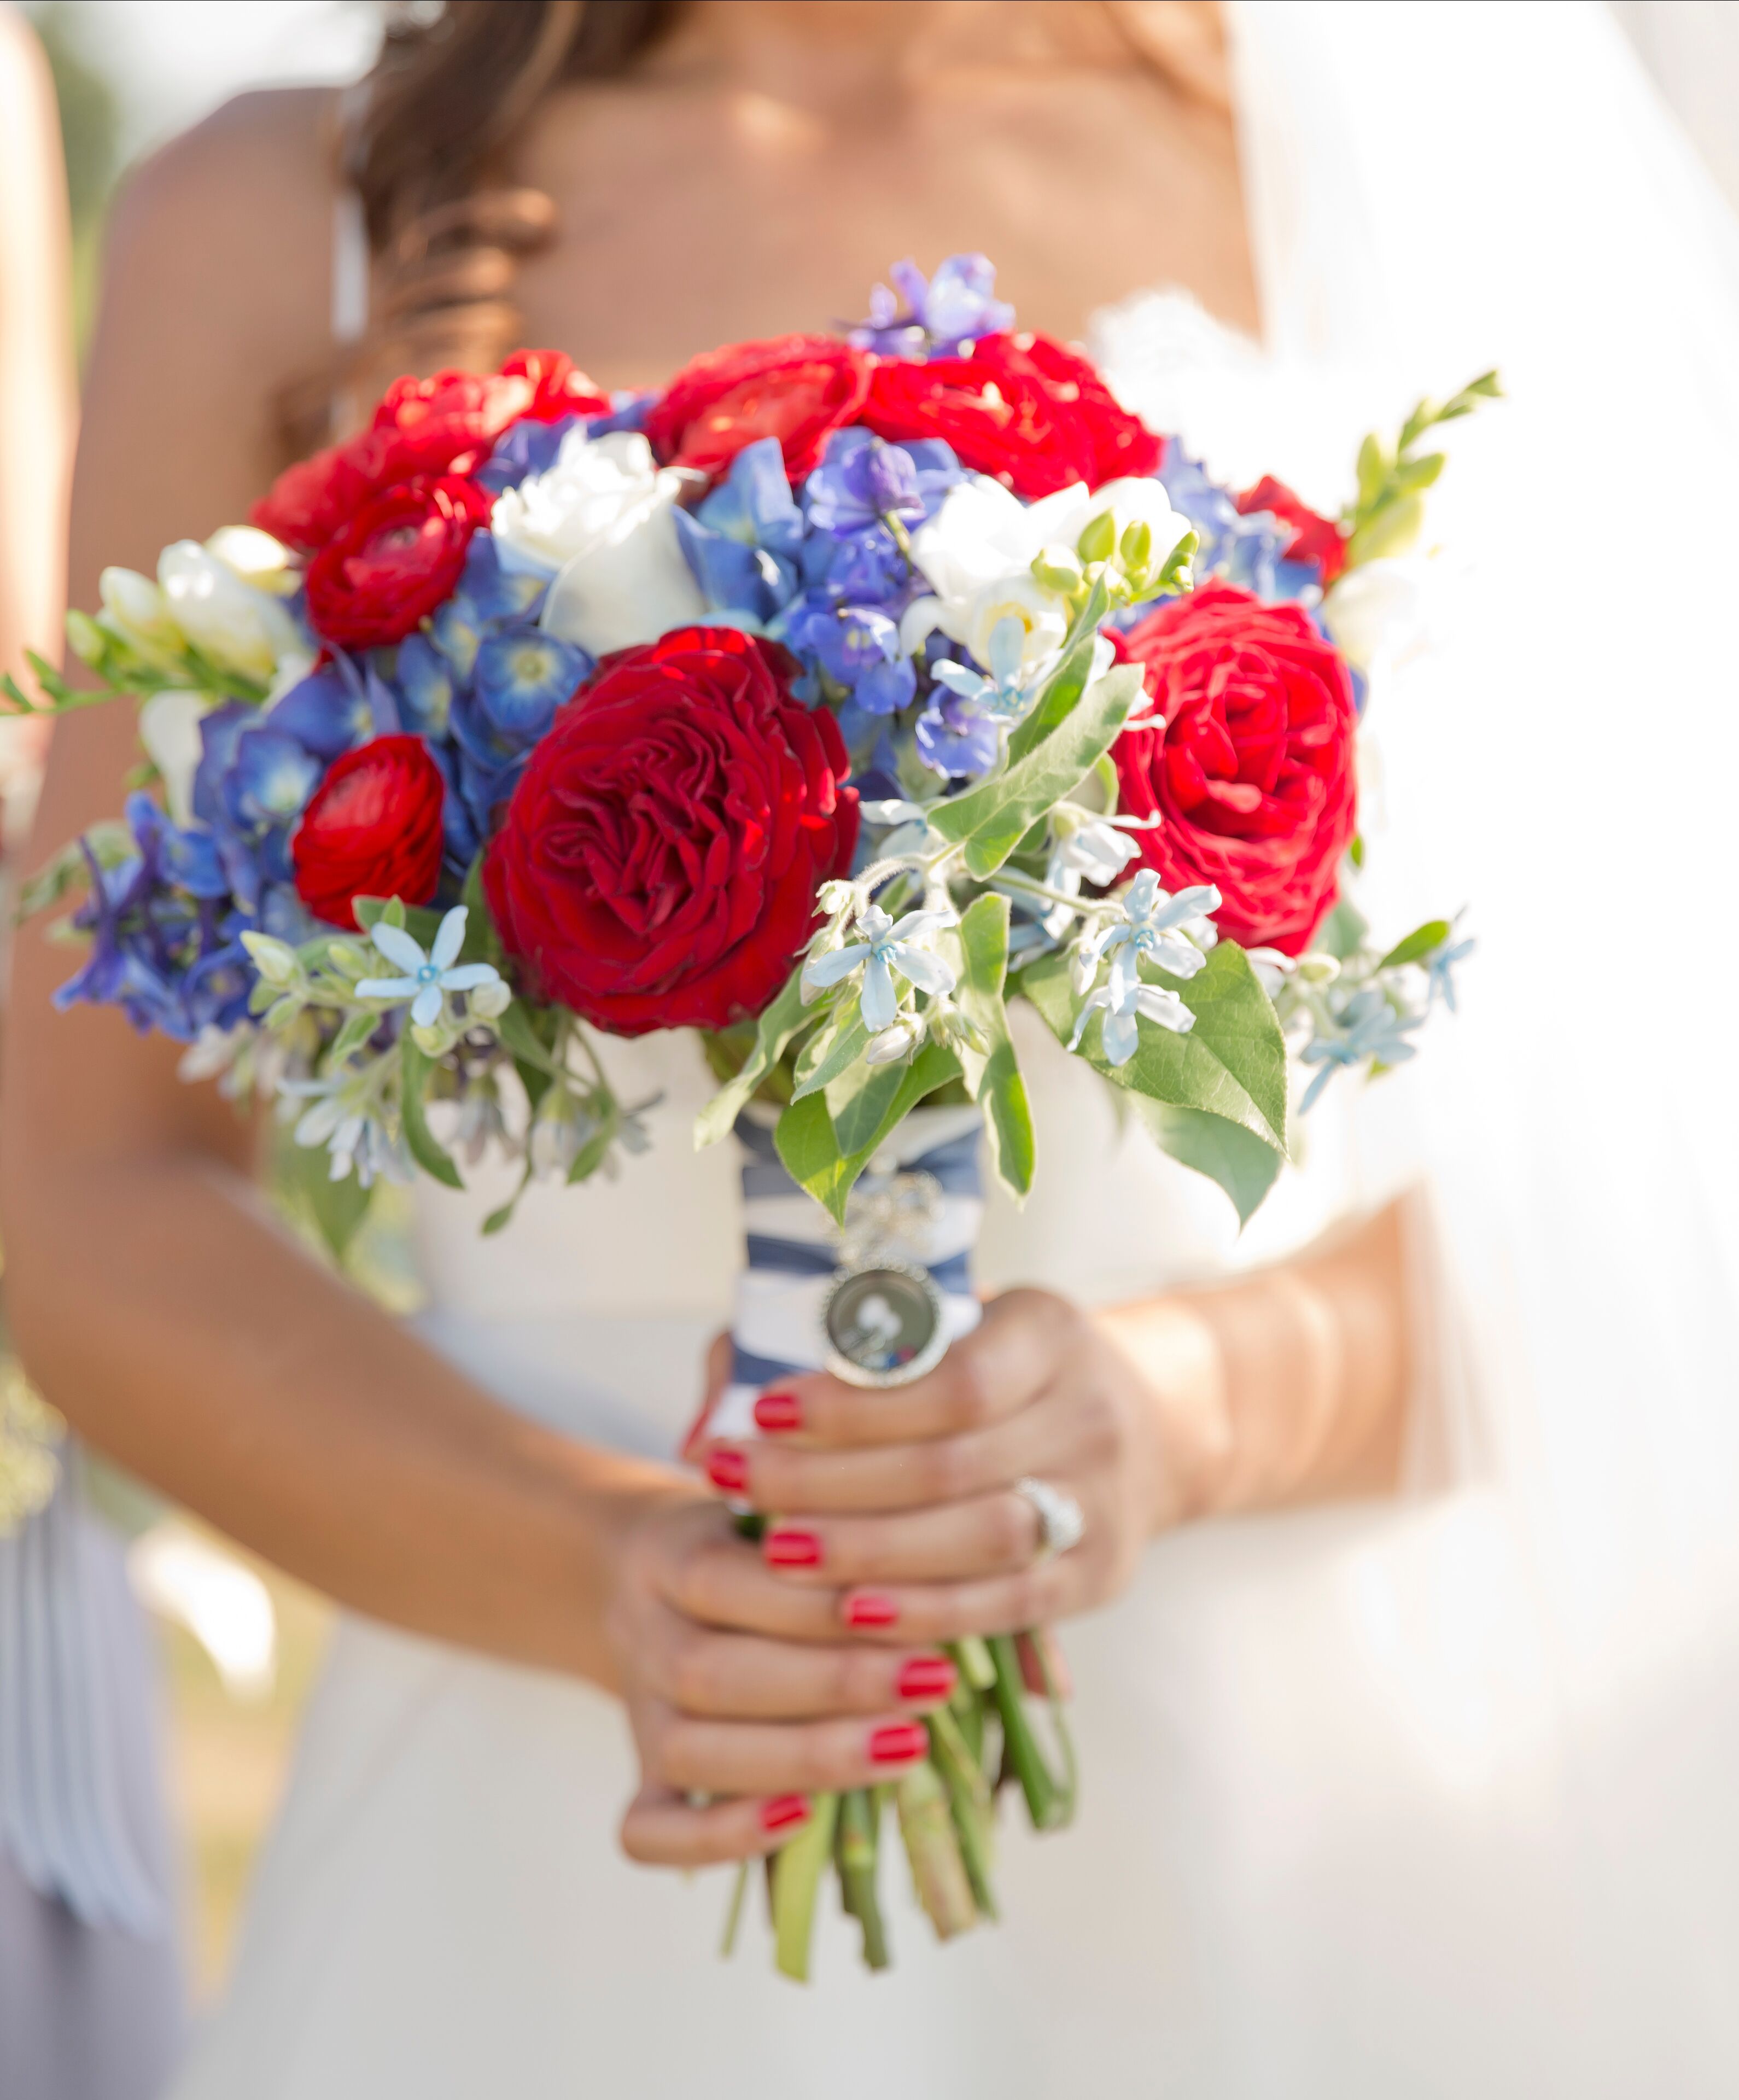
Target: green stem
927	1826
859	1848
796	1880
733	1914
1049	1803
969	1804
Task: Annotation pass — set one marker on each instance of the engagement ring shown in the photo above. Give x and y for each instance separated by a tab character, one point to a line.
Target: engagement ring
1062	1526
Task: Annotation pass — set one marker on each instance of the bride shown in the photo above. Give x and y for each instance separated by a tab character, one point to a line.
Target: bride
1422	1787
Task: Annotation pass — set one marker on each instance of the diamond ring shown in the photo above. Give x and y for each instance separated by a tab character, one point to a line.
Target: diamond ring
1061	1525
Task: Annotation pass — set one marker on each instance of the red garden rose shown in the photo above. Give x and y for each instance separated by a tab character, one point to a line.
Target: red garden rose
799	389
658	862
398	558
446	424
1314	538
373	829
1252	769
1029	412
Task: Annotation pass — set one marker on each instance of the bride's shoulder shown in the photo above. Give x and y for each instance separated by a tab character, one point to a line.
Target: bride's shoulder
215	297
231	223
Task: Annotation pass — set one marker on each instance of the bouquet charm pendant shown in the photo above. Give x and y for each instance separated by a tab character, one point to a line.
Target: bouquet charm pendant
882	1320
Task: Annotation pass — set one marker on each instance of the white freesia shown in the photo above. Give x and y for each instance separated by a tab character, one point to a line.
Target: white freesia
257	559
1381	613
134	609
169	729
237	627
977	555
600	519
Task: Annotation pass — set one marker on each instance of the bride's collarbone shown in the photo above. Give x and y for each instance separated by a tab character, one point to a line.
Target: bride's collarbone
728	221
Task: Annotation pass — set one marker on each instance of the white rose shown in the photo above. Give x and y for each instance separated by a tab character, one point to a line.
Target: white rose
169	729
238	628
133	609
600	520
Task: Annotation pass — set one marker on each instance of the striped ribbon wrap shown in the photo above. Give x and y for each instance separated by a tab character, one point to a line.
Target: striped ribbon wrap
794	1249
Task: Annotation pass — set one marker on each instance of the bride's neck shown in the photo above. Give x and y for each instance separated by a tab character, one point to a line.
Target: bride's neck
807	49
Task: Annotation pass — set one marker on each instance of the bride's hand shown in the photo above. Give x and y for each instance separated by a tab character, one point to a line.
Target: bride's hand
739	1686
902	1502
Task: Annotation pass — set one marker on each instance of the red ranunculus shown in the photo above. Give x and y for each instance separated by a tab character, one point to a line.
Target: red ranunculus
1314	538
1028	411
373	829
799	389
1252	770
658	862
395	562
446	424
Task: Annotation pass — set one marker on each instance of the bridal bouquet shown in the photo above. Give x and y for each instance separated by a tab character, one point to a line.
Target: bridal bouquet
822	701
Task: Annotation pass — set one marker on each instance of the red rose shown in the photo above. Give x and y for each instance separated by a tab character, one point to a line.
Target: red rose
398	558
796	388
373	829
1029	412
1252	770
448	424
658	863
1314	538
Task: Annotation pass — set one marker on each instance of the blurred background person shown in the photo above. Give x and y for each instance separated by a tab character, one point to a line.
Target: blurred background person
90	1985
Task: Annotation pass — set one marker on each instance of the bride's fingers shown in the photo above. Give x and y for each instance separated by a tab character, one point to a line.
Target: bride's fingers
926	1613
987	1375
1042	1438
987	1535
768	1758
736	1677
663	1829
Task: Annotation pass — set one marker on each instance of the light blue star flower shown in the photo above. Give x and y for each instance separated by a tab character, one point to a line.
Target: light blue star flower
427	978
1121	1001
1009	690
1151	917
1440	969
889	949
1369	1027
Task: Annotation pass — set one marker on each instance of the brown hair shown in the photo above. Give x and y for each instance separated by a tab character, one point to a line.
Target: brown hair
423	151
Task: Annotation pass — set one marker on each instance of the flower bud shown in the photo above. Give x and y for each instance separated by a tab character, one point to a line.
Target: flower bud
1098	540
489	1001
894	1043
275	960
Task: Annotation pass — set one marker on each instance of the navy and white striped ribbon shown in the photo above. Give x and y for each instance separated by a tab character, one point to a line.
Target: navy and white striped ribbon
793	1249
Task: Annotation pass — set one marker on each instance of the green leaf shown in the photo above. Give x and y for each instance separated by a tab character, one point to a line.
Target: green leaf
593	1153
1342	932
990	820
533	1057
1244	1165
417	919
858	1101
811	1150
352	1035
1390	531
417	1065
832	1051
1069	679
111	842
1373	468
498	1219
483	944
993	1074
778	1023
1418	945
1233	1063
336	1208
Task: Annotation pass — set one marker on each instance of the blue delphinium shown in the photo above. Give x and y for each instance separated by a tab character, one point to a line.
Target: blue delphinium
164	932
1249	551
745	542
941	314
863	480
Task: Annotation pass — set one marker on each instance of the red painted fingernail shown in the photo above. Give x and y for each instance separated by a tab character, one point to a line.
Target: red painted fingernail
728	1471
775	1411
927	1677
791	1549
900	1745
784	1809
871	1608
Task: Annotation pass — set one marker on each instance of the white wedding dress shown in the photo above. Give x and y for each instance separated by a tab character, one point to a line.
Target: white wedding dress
1432	1797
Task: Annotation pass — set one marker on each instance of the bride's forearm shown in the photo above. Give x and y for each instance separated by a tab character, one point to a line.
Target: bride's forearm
161	1309
1286	1386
